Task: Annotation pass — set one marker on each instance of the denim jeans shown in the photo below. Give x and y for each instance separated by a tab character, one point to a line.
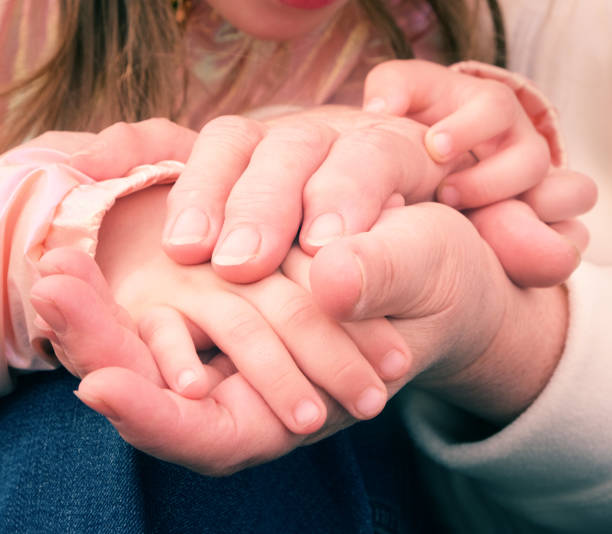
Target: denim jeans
64	469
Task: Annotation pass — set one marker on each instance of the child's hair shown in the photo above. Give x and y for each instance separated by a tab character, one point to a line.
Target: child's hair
132	66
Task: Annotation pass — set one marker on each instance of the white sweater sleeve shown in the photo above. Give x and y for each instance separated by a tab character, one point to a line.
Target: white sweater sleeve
552	467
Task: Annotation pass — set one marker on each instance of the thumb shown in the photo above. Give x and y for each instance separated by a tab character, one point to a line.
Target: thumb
409	265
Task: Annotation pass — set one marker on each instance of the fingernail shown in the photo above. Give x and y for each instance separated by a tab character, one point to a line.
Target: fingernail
97	405
51	313
239	246
442	144
376	105
393	364
578	254
185	379
449	195
325	229
41	324
370	402
45	329
306	412
190	227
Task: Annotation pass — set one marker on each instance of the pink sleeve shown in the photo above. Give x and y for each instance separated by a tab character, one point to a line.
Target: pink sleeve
539	109
44	203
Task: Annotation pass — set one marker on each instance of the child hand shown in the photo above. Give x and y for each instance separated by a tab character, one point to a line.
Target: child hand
468	113
270	329
486	113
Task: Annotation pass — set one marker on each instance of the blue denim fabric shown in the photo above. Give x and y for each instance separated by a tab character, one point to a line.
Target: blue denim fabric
64	469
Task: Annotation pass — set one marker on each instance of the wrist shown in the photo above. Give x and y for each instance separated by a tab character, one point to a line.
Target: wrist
520	360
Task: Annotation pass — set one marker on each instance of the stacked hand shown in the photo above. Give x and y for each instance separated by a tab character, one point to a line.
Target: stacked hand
449	278
460	325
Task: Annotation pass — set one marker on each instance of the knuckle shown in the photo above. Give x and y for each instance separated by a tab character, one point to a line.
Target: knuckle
376	147
502	99
49	135
385	69
306	137
320	188
151	325
233	129
347	371
121	134
282	384
299	311
259	199
244	327
155	122
119	129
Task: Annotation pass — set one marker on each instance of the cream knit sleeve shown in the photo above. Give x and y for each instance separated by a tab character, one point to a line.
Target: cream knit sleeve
550	469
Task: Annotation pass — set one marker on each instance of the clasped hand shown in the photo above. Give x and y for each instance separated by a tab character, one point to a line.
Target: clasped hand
425	267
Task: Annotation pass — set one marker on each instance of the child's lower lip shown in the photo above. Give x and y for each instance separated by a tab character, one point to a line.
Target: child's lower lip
307	4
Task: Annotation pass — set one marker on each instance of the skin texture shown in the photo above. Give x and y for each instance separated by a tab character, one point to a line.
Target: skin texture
275	335
470	357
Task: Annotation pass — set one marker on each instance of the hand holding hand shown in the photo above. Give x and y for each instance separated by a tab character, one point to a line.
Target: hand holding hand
486	113
274	334
470	330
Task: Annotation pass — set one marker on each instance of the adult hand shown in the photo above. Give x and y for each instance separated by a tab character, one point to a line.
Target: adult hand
253	177
470	330
464	321
323	161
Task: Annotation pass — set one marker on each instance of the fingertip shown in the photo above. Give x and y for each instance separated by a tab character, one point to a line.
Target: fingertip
439	145
237	247
197	383
575	232
92	162
309	416
336	280
90	398
394	365
376	104
66	260
324	229
531	252
187	254
448	194
190	227
370	403
246	255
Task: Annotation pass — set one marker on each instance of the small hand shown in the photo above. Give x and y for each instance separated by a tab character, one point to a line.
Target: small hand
227	429
272	331
489	118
